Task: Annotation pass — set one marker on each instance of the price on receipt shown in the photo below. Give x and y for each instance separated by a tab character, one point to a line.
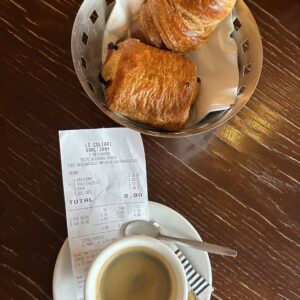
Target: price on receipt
133	195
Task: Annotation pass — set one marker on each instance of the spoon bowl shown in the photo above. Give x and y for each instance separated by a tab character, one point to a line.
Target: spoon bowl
142	227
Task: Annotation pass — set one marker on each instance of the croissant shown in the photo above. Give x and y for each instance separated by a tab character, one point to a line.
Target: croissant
149	85
181	25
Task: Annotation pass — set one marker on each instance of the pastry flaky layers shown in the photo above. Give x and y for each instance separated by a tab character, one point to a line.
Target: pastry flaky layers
150	85
181	25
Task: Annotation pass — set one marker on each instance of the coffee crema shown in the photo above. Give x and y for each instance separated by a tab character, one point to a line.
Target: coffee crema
136	273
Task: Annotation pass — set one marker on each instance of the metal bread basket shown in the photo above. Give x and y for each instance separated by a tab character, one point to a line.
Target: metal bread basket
86	46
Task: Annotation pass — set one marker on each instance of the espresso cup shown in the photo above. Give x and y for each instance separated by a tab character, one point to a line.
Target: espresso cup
136	267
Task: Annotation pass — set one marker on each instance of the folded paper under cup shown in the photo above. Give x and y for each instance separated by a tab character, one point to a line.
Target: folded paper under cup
197	283
105	185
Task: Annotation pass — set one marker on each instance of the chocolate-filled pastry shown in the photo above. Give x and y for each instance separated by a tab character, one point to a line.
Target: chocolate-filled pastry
181	25
149	85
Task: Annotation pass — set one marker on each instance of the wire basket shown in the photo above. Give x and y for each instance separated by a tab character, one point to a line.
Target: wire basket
86	46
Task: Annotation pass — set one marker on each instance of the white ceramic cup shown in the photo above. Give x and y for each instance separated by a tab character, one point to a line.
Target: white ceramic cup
137	241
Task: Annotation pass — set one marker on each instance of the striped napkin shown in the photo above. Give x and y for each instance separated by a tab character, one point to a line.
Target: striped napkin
197	283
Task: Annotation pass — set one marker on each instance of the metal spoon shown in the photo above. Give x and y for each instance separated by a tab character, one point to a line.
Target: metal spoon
152	229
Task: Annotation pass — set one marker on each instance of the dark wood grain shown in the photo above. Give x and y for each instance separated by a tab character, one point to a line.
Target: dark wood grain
239	185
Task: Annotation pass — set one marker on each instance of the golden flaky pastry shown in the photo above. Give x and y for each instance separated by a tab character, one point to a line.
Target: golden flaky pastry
181	25
148	27
150	85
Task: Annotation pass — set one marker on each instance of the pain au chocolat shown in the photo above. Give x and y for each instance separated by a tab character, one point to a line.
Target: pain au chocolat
150	85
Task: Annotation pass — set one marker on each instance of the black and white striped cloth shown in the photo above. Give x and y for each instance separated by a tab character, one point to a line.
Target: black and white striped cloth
197	283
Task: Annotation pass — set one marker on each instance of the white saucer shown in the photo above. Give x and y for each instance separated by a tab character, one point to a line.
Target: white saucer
171	222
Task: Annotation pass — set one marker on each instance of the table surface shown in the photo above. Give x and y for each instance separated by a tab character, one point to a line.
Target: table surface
238	185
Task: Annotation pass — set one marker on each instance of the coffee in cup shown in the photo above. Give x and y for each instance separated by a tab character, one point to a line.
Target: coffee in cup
136	268
136	273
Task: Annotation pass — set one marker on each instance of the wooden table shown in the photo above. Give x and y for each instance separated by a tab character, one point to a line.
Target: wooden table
238	185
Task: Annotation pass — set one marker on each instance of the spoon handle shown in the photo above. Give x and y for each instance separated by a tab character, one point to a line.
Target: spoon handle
211	248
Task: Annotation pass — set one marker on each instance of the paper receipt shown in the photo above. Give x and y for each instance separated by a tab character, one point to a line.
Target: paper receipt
105	185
